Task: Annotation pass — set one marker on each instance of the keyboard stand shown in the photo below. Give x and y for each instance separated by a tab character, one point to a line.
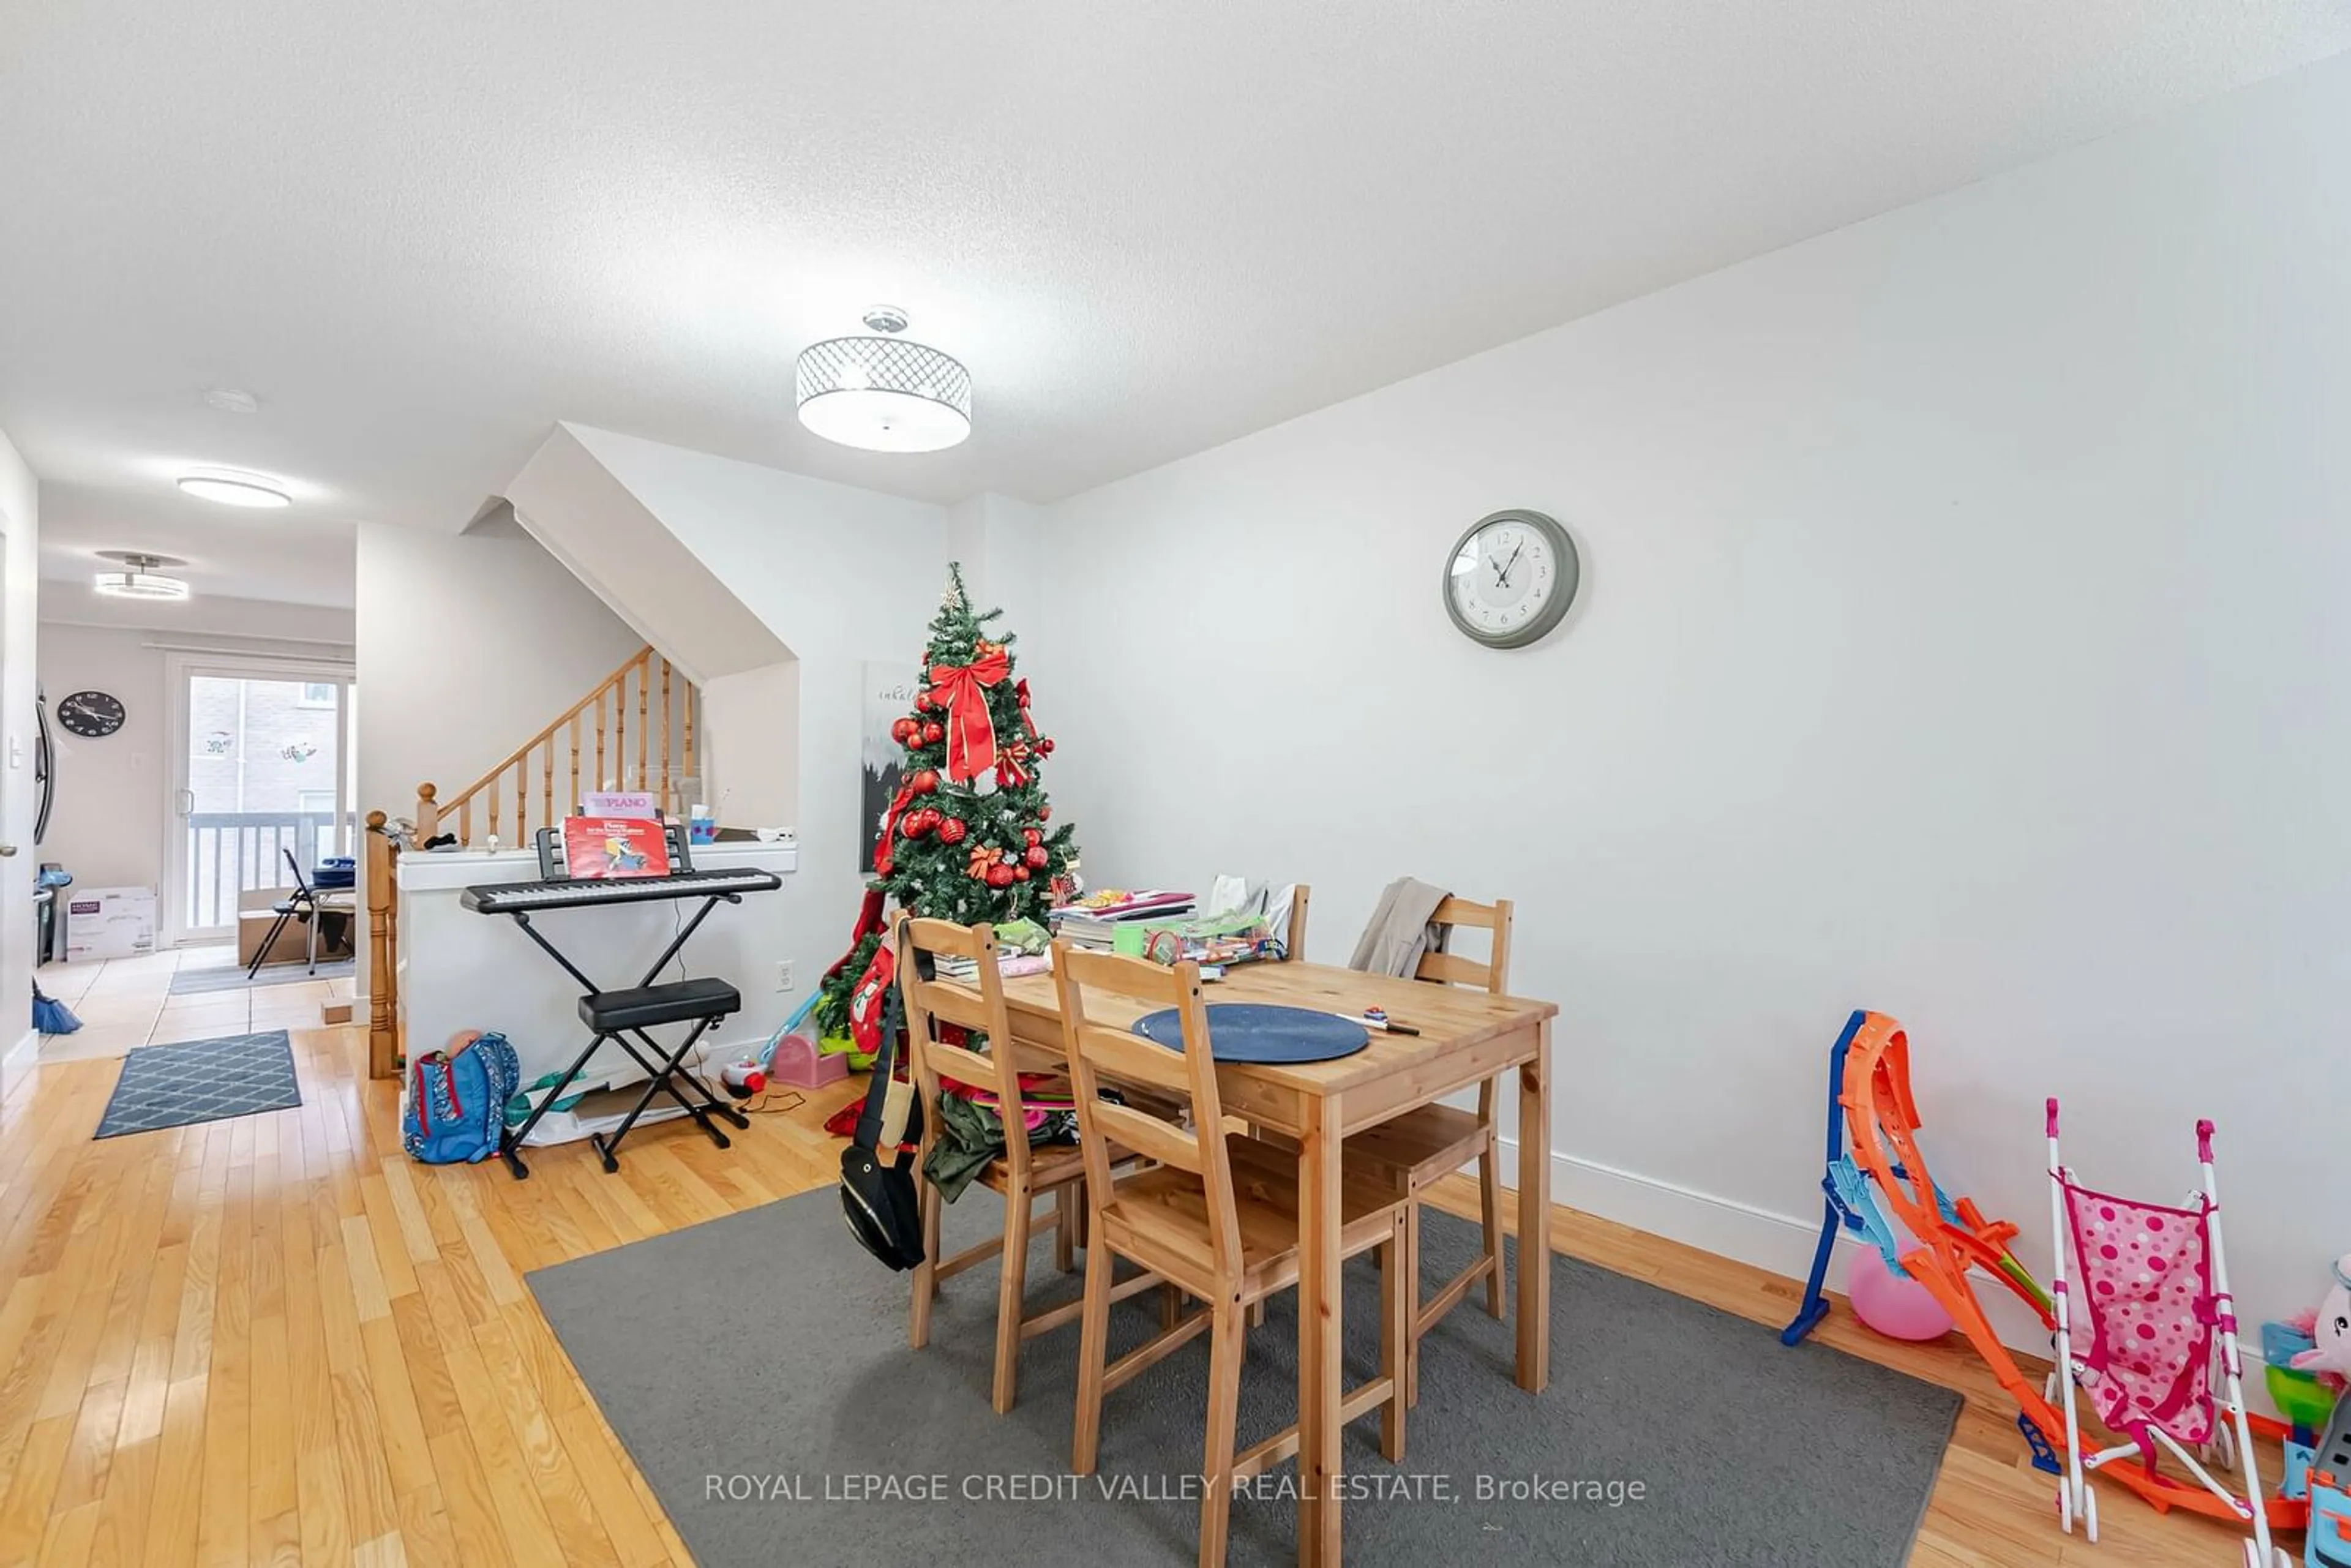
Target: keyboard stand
617	1016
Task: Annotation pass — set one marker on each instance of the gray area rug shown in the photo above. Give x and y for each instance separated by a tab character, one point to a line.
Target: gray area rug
201	1080
757	1369
231	977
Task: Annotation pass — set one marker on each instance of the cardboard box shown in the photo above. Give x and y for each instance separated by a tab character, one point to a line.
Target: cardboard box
255	915
110	922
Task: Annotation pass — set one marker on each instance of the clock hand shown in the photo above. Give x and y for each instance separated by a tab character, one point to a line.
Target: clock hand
1505	579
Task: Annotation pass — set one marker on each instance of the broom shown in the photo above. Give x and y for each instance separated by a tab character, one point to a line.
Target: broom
51	1016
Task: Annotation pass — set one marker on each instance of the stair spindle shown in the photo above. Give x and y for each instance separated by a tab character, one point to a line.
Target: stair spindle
669	804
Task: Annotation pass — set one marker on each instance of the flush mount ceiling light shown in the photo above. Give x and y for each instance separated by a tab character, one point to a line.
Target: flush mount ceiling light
884	393
233	490
139	578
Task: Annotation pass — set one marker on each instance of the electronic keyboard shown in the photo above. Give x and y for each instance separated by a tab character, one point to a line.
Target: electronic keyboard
566	893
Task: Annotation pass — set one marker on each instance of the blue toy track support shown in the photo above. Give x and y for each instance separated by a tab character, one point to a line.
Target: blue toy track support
1816	1304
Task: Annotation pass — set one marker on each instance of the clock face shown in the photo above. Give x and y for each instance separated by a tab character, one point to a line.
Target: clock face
91	715
1510	579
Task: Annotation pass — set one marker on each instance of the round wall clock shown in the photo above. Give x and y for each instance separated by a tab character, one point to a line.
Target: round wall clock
93	715
1510	579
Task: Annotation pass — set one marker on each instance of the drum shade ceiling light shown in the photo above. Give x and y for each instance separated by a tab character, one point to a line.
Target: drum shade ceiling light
231	491
884	393
139	579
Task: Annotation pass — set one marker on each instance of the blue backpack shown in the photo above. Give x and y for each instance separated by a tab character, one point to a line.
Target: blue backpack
456	1102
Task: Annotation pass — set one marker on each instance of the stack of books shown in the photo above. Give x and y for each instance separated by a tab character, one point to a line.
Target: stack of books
1093	920
1009	964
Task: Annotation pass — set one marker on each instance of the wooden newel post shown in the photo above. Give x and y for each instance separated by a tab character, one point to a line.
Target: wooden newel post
384	971
428	816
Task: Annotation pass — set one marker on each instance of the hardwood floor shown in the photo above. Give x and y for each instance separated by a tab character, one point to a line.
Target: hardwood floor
276	1340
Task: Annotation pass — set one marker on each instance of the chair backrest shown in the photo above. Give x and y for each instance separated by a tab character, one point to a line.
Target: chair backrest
1100	1053
1300	894
301	883
1452	968
977	1006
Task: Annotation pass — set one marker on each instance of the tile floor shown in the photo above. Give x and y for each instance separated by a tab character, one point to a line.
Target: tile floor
124	1003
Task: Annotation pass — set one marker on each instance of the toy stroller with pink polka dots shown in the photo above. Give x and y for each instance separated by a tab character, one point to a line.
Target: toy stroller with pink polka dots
2153	1288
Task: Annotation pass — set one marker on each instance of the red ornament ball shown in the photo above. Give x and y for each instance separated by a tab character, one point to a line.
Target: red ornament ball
999	875
1036	855
911	824
1044	746
1021	873
923	781
951	830
931	817
903	729
923	697
1034	835
1044	813
934	733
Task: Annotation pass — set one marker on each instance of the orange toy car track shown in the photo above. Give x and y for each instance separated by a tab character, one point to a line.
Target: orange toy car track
1881	1127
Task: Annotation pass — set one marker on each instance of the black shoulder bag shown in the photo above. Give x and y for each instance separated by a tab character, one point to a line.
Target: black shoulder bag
878	1201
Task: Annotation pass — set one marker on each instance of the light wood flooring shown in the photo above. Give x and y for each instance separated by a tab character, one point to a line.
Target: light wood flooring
274	1339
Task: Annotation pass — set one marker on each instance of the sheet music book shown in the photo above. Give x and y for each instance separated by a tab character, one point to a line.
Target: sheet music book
597	848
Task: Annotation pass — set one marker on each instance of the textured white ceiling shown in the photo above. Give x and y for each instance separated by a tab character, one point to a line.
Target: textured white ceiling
422	234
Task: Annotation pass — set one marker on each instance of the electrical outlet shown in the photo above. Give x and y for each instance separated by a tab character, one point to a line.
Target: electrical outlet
783	974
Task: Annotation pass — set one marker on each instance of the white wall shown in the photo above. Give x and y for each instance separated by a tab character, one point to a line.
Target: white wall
1962	636
106	827
571	503
842	576
20	520
260	622
467	647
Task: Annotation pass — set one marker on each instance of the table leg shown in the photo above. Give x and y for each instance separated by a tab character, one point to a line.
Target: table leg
1320	1329
1534	1214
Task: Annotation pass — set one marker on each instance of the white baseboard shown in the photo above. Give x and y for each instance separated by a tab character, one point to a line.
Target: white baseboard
25	1053
1760	1238
1783	1244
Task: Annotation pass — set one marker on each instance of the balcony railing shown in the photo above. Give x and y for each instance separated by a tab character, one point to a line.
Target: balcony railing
230	852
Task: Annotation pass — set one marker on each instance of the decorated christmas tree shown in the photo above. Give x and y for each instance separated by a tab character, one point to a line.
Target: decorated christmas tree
965	837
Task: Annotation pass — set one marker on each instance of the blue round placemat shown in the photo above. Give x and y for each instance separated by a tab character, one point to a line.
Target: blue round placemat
1254	1032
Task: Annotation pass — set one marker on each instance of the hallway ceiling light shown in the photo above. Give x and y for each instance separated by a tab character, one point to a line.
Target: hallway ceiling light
140	579
884	393
234	492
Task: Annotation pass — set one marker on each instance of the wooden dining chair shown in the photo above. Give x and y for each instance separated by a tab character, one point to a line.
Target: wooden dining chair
1216	1216
1021	1174
1423	1145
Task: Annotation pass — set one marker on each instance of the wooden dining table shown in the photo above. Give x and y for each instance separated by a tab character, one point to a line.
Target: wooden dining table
1465	1037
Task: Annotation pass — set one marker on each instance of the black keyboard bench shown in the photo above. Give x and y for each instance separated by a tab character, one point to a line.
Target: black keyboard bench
641	1007
622	1016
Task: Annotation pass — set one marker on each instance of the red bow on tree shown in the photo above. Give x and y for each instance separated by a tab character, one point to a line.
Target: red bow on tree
1012	764
1028	720
971	732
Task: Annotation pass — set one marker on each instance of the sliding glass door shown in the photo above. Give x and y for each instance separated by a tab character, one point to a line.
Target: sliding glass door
261	753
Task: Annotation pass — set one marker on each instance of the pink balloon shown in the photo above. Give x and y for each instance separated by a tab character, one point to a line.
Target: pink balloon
1890	1300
